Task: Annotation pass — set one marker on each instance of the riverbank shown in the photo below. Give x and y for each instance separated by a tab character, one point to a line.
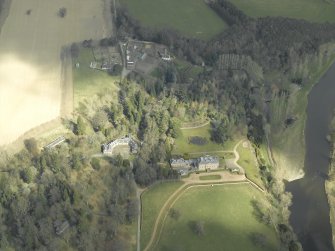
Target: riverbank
330	182
288	142
310	208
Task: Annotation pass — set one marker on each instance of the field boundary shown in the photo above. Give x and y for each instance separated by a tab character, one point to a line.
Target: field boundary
4	11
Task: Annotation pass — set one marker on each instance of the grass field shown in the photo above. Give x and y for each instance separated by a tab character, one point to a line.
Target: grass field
182	15
30	62
227	225
182	145
248	162
87	81
152	202
312	10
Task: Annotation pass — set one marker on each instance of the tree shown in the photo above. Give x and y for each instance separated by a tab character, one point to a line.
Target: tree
198	227
220	133
62	12
174	128
99	120
74	50
174	214
80	126
258	239
132	210
95	163
115	70
31	146
28	174
144	174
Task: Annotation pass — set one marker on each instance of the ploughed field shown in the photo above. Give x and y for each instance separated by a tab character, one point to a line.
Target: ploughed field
311	10
30	63
191	17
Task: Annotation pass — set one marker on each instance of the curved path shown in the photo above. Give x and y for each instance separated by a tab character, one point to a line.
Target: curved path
191	181
194	127
226	178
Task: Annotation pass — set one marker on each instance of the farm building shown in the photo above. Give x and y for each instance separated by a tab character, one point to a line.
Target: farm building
105	58
146	53
207	163
125	141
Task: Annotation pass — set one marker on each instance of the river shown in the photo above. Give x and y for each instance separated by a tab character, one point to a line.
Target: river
310	209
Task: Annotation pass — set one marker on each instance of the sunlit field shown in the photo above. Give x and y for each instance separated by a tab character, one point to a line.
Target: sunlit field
30	58
229	225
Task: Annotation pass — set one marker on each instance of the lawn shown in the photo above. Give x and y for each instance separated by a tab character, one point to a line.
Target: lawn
227	225
210	177
182	145
152	202
247	161
191	17
87	81
311	10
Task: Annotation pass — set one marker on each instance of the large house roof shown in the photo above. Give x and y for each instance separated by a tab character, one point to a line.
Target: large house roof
208	159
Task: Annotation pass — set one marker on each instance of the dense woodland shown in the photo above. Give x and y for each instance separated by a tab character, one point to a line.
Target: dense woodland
41	190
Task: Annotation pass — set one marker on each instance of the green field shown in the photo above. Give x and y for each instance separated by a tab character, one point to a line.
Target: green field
227	225
210	177
247	161
152	202
182	145
312	10
87	81
191	17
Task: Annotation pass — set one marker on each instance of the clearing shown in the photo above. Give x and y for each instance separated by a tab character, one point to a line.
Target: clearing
311	10
184	145
181	15
30	61
229	225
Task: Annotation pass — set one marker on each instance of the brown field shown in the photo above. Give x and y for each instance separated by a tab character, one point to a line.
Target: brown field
30	62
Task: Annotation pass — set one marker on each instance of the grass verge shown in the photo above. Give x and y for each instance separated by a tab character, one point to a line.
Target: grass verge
249	163
210	177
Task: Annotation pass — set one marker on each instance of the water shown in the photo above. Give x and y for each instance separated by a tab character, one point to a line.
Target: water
310	209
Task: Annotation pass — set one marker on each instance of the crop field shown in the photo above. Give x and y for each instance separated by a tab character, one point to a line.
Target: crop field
183	144
181	15
311	10
229	225
31	40
152	202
